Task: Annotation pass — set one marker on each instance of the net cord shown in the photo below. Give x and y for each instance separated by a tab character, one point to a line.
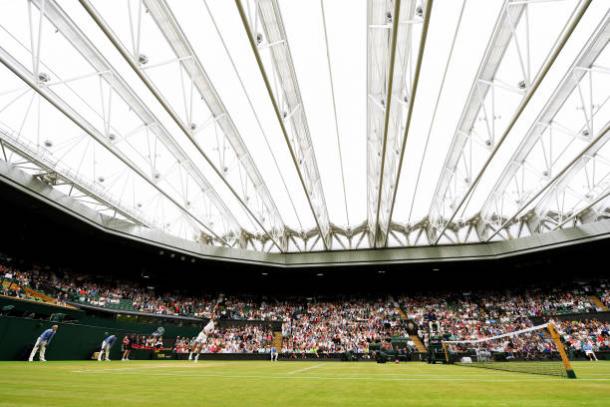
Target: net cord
509	334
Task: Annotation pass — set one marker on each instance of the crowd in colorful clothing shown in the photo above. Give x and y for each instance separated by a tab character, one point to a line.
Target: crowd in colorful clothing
579	333
237	339
338	325
342	326
469	316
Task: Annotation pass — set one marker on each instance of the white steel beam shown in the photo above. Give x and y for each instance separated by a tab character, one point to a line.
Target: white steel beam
597	183
69	30
391	187
381	64
268	214
488	67
562	177
134	60
296	129
578	213
46	161
28	77
543	124
494	54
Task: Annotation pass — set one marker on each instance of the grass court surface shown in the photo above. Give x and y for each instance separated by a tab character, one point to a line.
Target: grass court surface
311	384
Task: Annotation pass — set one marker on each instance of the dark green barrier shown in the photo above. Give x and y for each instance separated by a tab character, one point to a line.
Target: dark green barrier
171	330
82	331
72	341
107	320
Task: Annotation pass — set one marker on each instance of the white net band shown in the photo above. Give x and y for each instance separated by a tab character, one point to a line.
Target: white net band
506	335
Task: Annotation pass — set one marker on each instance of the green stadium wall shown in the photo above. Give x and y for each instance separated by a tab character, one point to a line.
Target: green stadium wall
77	338
72	341
82	331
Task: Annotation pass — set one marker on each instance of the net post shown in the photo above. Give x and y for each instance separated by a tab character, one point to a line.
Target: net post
564	358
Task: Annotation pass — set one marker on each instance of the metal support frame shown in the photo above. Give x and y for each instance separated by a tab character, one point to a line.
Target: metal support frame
562	176
378	118
296	135
427	13
543	126
578	214
503	33
582	166
494	53
26	76
132	60
64	24
165	20
411	255
30	153
571	192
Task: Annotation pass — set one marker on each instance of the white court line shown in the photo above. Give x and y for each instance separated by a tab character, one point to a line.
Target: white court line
306	368
372	379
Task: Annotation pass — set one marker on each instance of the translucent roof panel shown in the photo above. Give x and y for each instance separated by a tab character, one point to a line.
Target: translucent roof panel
281	126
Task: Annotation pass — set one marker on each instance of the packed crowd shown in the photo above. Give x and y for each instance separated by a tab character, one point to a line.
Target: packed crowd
577	336
11	274
471	316
579	333
258	310
15	283
342	326
337	325
81	289
604	293
147	342
529	345
237	339
465	321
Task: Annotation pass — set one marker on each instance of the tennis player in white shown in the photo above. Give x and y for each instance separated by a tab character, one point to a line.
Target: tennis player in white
201	339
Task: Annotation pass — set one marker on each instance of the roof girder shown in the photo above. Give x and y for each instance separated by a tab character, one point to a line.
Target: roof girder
503	32
27	76
293	122
570	82
132	60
